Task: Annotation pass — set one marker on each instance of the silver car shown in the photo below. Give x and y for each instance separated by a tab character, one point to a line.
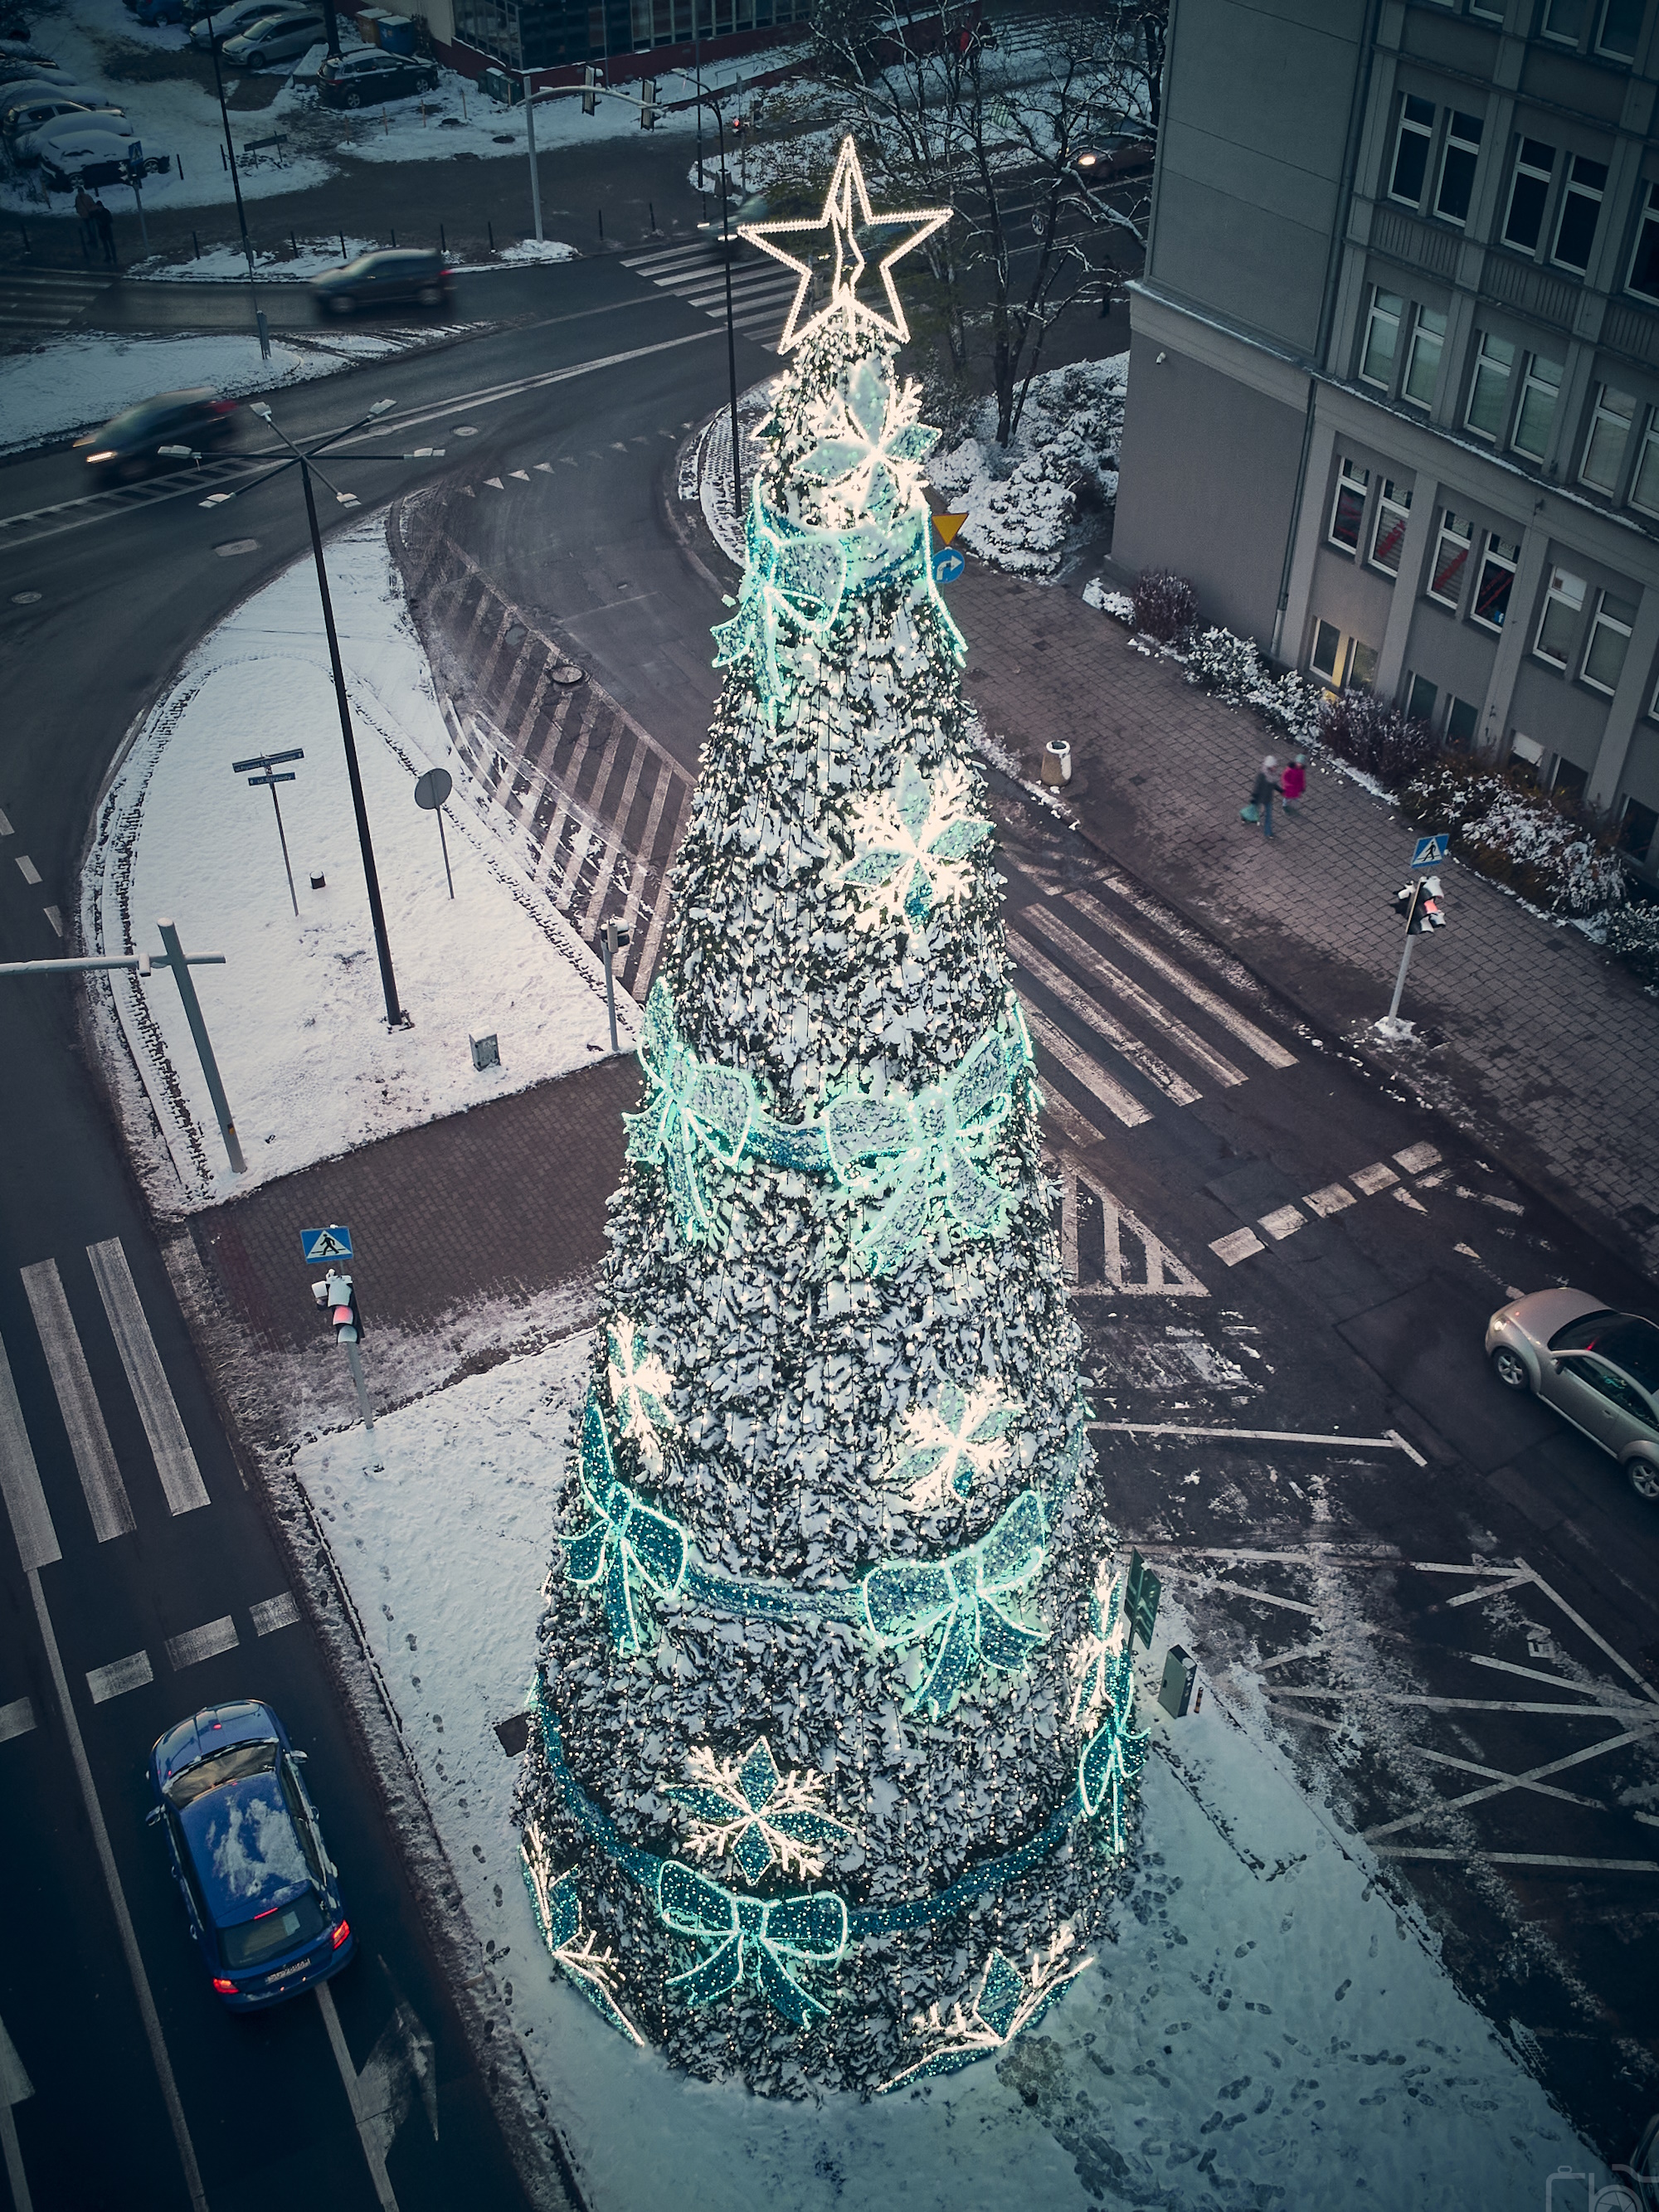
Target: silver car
1599	1368
280	37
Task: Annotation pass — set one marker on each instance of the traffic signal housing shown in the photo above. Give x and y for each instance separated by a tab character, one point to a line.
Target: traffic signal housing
1419	906
337	1298
649	103
590	90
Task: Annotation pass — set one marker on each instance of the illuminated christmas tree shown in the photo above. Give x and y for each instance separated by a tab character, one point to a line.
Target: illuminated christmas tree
830	1782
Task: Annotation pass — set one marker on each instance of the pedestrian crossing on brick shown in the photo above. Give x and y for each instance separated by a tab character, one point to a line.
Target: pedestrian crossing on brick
761	291
36	300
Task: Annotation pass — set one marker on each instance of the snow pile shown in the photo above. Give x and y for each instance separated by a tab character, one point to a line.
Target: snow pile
1118	604
297	1015
532	250
1021	499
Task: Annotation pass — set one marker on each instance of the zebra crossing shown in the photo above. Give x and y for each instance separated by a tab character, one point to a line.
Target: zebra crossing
103	1480
36	300
761	291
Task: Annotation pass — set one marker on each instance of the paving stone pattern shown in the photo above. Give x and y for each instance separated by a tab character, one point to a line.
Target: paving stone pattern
1537	1044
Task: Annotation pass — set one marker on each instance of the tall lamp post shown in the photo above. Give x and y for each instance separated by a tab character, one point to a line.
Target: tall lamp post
727	246
236	186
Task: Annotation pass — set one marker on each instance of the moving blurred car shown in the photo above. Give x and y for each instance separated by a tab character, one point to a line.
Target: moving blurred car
259	1889
384	279
1599	1368
275	38
129	445
34	145
368	78
722	233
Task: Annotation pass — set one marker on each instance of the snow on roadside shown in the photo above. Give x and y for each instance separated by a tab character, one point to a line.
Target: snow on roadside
1021	500
1265	2022
297	1015
224	264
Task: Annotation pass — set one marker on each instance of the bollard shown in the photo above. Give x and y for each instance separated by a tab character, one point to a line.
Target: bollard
342	251
295	243
394	241
490	228
443	243
601	226
197	243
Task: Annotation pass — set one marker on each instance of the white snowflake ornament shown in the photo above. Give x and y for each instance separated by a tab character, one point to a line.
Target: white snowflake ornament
870	446
640	1386
911	842
949	1445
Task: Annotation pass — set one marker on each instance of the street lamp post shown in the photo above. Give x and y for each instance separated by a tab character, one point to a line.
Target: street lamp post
236	186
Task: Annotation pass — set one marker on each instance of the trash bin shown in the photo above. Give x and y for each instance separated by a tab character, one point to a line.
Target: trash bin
398	33
368	26
499	86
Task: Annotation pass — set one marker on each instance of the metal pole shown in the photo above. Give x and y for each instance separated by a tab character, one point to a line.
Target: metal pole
292	893
236	186
697	64
443	846
395	1016
353	1361
1390	1021
535	181
729	247
186	982
610	989
143	228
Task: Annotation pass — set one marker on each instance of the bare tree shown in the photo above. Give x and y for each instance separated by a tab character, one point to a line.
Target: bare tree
1029	132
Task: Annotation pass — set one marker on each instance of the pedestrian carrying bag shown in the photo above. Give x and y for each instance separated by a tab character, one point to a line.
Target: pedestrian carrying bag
1250	814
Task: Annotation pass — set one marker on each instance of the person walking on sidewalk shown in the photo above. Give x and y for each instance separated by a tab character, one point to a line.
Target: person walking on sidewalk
1263	792
1293	782
86	214
106	222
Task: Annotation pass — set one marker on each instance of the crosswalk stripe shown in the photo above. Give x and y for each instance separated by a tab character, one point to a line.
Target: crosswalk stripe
1258	1040
1166	1275
1112	1096
194	1644
175	1462
1055	981
118	1677
94	1456
15	1719
19	1481
1043	918
613	845
271	1613
668	255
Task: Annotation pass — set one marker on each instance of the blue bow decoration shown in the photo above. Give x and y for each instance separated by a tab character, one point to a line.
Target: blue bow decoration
693	1107
965	1606
793	582
627	1546
1112	1758
762	1937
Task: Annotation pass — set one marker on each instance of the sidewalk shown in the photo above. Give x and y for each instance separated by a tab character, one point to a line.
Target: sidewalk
1531	1041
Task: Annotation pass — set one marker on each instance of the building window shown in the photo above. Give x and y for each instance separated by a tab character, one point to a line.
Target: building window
1581	210
1526	757
1635	831
1411	150
1423	364
1644	483
1394	506
1326	645
1420	697
1541	387
1451	555
1529	190
1619	29
1362	666
1609	641
1644	262
1348	506
1492	593
1489	393
1462	151
1604	449
1382	338
1463	719
1558	626
1569	780
1565	19
1492	9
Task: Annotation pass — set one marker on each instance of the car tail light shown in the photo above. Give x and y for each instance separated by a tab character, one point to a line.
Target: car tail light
342	1934
223	407
225	1988
101	457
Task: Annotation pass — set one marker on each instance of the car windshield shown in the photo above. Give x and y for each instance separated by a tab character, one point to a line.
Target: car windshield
235	1764
284	1928
1624	1339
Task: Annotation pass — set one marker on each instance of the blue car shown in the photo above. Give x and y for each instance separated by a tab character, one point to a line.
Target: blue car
259	1889
158	11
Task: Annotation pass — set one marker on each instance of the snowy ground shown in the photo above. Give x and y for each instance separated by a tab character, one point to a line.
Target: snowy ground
224	264
296	1015
1021	501
1265	2027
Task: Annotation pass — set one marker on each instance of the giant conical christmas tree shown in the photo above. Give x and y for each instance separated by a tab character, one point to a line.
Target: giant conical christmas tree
834	1738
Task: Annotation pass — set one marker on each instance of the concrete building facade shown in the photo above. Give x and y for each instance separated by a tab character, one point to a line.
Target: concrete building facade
1394	393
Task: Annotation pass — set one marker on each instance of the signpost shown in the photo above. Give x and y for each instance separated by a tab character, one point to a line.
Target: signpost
430	791
1418	905
948	564
612	937
267	763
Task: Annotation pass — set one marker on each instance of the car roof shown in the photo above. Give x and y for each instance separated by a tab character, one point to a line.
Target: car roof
246	1849
215	1728
1625	1339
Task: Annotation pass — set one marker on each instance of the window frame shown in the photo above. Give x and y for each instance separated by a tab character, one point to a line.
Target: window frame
1414	127
1600	413
1571	190
1555	595
1530	383
1493	557
1350	478
1602	620
1646	216
1438	339
1452	140
1649	441
1375	313
1504	370
1330	676
1447	530
1573	41
1598	42
1533	174
1389	502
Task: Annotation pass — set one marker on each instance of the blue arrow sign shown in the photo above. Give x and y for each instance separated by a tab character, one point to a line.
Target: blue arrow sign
333	1243
1429	852
948	565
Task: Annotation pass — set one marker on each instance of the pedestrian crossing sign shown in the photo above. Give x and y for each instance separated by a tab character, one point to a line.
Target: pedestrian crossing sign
333	1243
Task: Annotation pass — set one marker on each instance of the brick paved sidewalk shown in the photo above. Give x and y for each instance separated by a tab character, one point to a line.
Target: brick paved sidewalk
1536	1045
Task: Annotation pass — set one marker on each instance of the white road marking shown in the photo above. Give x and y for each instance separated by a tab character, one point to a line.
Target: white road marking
1331	1199
1371	1180
15	1719
367	2134
1601	1642
274	1612
54	915
175	1462
94	1456
495	483
1506	1782
189	1648
31	874
1486	1198
1410	1450
118	1677
1406	1198
1269	1597
1061	985
1417	1159
1258	1040
1532	1674
546	467
1472	1705
1166	1275
1521	1859
1486	1590
1236	1245
1077	950
1066	1118
523	475
6	830
15	2088
158	2050
1283	1222
1518	1781
1392	1442
1112	1096
19	1481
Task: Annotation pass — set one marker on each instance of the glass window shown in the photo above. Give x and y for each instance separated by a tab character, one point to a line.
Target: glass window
1462	151
1565	19
1411	150
1604	449
1619	29
1463	717
1636	827
1423	364
1540	388
1382	338
1420	697
1451	555
1644	485
1348	506
1362	666
253	1941
1327	643
1394	506
1491	8
1492	593
1644	262
1609	640
1558	626
1489	392
1529	190
1581	209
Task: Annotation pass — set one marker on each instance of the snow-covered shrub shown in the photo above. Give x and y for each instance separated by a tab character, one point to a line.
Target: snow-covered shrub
1228	666
1293	705
1633	938
1518	837
1118	604
1381	740
1166	605
1023	500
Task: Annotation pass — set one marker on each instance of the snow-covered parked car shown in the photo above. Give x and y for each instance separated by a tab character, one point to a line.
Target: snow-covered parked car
39	104
34	145
89	157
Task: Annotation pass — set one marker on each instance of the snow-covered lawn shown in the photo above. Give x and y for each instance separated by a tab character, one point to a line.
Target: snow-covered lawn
296	1015
1266	2027
1021	501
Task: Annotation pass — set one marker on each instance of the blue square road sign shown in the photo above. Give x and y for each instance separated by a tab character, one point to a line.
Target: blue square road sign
1429	852
333	1243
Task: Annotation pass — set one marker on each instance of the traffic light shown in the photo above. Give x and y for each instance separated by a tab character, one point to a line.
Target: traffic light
1140	1596
615	936
649	103
338	1300
1418	906
590	90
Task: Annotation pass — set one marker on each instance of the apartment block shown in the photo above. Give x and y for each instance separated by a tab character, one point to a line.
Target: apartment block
1393	398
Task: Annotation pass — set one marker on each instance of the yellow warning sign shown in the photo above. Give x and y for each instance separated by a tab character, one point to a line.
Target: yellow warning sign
947	527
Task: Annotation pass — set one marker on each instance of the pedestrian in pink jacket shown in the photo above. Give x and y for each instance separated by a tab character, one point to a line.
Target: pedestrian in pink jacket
1292	783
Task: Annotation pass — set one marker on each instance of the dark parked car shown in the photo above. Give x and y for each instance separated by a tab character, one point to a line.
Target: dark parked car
258	1886
369	77
385	279
127	446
